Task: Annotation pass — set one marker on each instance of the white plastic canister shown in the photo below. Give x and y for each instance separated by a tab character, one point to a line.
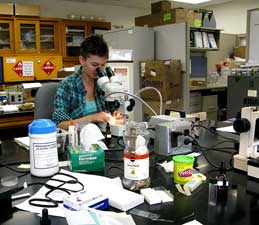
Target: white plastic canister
43	148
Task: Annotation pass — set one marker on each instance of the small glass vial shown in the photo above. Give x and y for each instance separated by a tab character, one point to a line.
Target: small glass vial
213	189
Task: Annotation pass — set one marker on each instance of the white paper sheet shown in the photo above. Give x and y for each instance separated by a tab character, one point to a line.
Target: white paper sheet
31	85
228	129
111	188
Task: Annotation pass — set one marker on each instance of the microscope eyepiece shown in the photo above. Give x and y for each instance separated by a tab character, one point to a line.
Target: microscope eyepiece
109	72
100	72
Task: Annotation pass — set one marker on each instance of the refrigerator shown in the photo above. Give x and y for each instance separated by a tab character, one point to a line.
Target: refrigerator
140	40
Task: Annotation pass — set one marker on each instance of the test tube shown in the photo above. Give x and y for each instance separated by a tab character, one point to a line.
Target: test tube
213	189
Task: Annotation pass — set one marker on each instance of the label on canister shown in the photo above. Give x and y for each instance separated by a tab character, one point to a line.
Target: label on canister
183	168
136	167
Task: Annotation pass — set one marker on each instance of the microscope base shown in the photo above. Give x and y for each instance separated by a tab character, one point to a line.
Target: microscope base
117	129
240	162
253	168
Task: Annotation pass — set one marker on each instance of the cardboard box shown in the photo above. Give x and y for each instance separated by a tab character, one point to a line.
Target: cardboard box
197	19
26	10
151	20
240	52
166	17
174	105
165	75
160	6
6	9
189	17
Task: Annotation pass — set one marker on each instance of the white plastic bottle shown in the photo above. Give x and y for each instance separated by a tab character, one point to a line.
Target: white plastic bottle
72	133
43	148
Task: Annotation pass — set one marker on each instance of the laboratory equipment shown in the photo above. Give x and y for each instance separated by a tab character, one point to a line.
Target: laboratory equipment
248	127
136	156
173	137
115	99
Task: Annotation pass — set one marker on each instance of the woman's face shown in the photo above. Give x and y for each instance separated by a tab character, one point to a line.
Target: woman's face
91	63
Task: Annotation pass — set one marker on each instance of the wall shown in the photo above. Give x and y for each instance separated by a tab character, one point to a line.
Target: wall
231	17
61	9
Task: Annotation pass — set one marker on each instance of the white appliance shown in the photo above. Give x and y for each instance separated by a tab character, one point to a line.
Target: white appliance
141	41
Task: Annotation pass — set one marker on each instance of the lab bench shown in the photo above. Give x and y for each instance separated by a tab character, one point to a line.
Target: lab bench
241	206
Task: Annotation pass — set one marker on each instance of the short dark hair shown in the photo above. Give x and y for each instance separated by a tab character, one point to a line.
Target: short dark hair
94	45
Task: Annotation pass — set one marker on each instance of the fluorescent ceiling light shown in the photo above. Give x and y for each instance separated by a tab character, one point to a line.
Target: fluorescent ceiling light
192	1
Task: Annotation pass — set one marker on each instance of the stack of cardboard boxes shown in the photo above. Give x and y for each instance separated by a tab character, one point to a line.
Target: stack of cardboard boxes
163	14
165	75
19	9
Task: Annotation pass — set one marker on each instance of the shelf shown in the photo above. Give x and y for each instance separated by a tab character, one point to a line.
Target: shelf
203	49
4	30
205	29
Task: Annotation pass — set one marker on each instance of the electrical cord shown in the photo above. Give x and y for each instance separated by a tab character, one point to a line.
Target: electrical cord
195	142
8	166
214	132
49	202
158	92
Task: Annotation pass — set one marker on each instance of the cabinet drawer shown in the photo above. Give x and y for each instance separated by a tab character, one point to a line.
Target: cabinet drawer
210	103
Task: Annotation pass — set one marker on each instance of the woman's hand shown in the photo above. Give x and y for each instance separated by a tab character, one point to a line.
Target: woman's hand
101	117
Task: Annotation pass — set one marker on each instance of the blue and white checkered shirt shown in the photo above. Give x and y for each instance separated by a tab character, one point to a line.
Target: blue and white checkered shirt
71	99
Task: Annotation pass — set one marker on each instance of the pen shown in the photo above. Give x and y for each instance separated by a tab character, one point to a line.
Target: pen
17	197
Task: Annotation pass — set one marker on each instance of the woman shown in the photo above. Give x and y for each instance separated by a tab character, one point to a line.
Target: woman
78	96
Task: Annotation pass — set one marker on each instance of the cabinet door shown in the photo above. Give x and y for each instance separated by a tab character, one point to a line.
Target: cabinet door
75	35
49	42
95	27
6	37
27	39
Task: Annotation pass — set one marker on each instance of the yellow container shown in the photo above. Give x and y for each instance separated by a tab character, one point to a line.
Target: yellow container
31	68
183	168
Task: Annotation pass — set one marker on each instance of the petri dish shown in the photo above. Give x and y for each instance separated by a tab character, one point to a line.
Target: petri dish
9	181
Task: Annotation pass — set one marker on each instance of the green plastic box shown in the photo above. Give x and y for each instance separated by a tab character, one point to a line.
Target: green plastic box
86	161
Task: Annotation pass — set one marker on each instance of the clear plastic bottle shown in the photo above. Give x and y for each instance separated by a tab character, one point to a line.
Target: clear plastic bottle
213	190
136	156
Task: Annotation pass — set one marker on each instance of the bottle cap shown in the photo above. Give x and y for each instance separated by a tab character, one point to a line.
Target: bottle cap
42	126
213	180
71	123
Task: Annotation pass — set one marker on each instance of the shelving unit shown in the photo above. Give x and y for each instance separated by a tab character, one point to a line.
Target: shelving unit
173	42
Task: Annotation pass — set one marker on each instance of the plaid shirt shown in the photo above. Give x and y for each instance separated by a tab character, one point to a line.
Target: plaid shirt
71	98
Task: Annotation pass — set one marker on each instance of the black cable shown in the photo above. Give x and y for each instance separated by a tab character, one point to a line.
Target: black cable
214	132
14	170
220	143
195	142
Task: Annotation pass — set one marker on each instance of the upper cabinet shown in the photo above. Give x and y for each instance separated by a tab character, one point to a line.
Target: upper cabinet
6	37
46	36
50	36
34	36
73	34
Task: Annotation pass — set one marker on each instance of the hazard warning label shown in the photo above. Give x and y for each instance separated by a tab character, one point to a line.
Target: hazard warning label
48	67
